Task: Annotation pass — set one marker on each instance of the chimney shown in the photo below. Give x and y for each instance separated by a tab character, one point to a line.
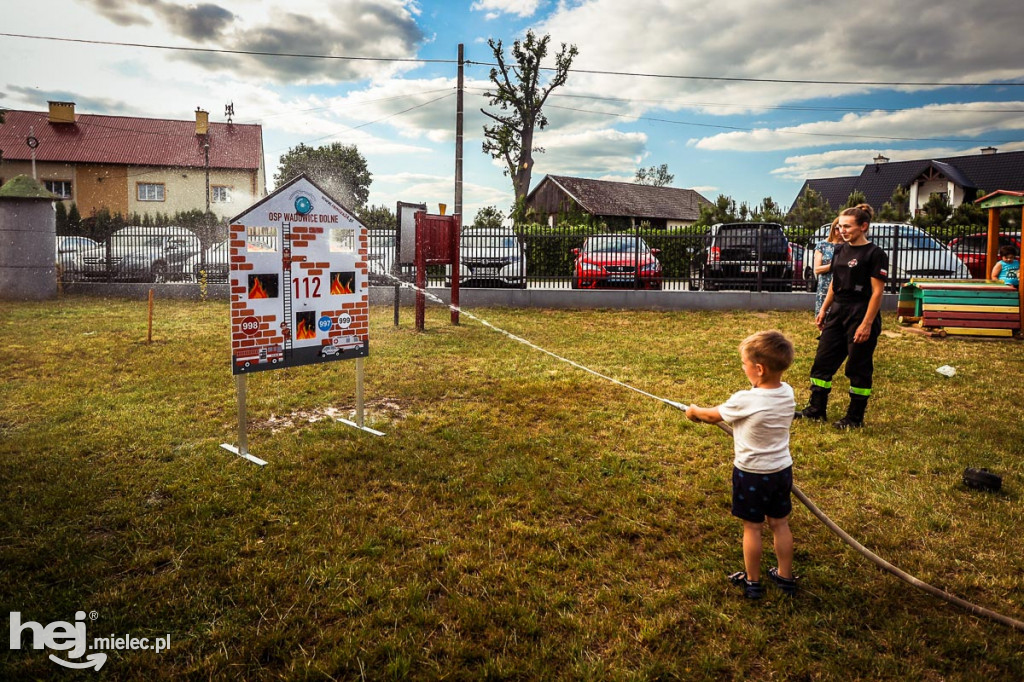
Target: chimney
881	159
202	122
988	150
62	112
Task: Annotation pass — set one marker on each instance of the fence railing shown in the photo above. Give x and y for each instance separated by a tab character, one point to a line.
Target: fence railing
751	257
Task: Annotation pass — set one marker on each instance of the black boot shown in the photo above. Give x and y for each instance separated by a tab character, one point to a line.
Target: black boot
854	418
817	407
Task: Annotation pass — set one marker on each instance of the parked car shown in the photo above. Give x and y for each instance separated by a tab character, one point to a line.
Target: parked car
69	255
972	250
914	254
616	260
741	255
147	254
214	263
490	257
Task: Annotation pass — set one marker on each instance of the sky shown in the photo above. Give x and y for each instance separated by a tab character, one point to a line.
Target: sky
741	98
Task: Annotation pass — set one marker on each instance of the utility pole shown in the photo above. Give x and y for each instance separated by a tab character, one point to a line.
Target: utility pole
206	154
458	136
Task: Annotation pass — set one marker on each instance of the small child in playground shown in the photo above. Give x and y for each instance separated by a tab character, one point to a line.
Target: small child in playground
1007	270
762	475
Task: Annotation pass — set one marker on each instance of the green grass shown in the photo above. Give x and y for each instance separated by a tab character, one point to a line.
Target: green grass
521	518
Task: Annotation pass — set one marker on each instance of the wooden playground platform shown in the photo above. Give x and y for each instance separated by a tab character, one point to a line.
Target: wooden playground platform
960	307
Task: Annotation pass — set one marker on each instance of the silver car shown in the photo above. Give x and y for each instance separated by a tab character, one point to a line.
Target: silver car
912	253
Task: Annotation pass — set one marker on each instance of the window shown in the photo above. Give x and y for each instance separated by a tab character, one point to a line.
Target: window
220	194
61	188
151	192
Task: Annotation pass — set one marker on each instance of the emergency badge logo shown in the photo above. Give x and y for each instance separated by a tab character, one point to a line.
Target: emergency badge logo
302	202
61	636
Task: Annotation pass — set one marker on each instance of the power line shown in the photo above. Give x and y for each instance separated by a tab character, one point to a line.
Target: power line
210	50
632	74
785	107
635	74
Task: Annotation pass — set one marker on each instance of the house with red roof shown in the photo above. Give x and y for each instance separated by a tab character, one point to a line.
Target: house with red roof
138	165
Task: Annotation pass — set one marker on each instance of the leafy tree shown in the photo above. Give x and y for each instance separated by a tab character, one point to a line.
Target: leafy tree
769	212
722	211
378	218
656	176
520	97
969	213
934	213
338	168
855	199
489	218
74	220
810	211
61	218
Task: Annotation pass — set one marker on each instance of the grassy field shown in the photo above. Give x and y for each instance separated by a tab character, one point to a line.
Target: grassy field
521	519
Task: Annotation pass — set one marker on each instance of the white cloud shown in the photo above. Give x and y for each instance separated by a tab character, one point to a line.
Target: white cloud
589	153
495	8
388	189
841	162
974	40
959	121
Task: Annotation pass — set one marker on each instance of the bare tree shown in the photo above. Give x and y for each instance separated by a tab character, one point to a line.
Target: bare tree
520	97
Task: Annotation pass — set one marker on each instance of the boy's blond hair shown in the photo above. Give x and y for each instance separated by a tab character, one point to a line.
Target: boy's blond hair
771	349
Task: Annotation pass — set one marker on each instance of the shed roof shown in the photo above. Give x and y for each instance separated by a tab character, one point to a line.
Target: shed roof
130	140
607	198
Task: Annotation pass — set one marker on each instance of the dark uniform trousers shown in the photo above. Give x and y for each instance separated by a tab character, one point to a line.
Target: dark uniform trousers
836	344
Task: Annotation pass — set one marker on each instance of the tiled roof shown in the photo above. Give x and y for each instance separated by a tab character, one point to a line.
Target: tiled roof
606	198
127	140
833	190
987	172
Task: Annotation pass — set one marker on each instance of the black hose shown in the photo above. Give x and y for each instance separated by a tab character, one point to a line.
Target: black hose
885	565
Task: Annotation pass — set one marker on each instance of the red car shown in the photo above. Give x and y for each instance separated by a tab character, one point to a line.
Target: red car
616	260
971	250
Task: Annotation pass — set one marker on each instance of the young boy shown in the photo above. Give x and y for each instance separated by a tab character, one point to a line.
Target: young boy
762	475
1007	270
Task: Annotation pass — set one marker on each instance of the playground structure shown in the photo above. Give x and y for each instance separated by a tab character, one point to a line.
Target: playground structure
960	307
969	307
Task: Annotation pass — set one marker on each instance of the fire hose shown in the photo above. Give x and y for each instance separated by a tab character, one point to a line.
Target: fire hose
831	525
882	563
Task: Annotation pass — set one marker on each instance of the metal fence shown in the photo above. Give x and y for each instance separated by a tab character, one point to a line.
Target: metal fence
736	256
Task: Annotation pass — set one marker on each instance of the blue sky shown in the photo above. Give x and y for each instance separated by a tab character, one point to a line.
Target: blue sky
740	132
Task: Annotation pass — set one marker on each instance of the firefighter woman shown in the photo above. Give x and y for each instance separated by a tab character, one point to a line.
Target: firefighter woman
849	319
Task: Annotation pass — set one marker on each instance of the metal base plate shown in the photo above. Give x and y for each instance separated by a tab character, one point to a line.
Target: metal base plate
246	455
357	426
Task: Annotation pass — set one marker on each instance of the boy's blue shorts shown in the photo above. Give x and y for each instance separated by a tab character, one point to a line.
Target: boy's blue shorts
755	496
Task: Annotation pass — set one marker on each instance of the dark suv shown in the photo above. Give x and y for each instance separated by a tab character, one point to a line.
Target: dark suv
744	256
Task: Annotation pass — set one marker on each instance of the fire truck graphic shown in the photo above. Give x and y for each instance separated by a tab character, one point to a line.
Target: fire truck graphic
259	355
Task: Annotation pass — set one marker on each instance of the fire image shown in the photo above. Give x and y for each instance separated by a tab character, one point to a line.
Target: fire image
305	325
262	286
343	282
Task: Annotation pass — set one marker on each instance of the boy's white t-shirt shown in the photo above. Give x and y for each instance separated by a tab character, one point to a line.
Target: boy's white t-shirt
760	419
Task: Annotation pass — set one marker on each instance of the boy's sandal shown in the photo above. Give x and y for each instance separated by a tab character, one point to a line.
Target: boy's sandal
787	585
751	589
